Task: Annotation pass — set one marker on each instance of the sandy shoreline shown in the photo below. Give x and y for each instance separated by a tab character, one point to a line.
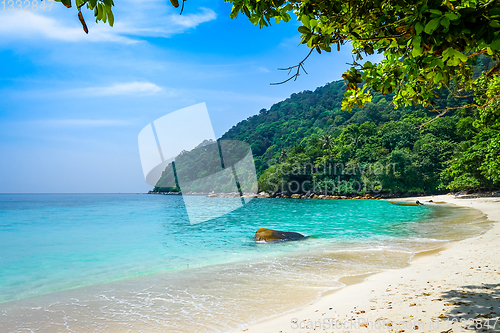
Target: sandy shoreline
456	289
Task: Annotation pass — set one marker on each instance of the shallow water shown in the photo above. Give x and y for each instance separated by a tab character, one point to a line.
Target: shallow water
135	263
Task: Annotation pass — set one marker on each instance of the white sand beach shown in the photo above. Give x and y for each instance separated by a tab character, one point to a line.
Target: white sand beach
455	289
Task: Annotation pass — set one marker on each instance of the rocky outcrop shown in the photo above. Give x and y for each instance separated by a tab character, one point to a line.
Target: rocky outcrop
269	235
310	195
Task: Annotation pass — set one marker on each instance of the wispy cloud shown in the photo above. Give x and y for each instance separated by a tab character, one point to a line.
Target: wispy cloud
132	20
193	20
129	88
29	25
163	24
83	123
263	69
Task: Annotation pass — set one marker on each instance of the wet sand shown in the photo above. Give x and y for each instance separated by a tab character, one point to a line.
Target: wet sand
453	289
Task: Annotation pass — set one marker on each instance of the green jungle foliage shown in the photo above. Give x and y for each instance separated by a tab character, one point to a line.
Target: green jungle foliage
308	140
307	137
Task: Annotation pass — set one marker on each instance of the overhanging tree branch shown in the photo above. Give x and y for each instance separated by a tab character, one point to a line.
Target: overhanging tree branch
298	67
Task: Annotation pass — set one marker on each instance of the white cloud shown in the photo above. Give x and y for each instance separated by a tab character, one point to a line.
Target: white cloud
28	25
193	20
138	19
125	89
263	69
129	88
162	23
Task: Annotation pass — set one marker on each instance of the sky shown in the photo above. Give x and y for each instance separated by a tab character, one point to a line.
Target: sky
72	105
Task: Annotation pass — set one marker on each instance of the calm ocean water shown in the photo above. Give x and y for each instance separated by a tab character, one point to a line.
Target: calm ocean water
137	256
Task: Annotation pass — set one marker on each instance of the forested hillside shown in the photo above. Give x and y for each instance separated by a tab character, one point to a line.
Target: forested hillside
458	151
307	142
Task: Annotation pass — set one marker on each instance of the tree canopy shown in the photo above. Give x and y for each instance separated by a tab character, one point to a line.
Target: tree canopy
102	10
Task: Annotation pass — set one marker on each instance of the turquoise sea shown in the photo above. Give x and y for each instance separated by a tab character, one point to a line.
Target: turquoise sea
133	262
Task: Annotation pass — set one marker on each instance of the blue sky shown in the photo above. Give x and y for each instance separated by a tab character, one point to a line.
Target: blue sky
72	105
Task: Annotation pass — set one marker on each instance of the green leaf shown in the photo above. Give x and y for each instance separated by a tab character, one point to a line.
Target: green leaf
417	49
453	62
495	45
445	22
100	11
432	25
495	11
455	57
452	16
436	11
419	27
495	24
303	30
462	56
437	77
310	43
111	18
234	12
305	21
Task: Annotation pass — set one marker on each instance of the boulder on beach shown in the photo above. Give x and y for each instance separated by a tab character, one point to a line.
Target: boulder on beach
269	235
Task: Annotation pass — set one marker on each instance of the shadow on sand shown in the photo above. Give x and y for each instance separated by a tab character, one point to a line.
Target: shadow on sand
473	307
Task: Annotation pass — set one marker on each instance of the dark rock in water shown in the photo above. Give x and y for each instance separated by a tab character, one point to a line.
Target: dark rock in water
269	235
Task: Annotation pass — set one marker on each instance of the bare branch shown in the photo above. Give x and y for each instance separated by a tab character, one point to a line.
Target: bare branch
182	8
445	110
298	67
493	70
82	5
476	53
375	38
456	107
430	121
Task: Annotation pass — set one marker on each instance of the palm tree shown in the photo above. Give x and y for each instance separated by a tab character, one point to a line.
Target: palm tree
326	141
283	154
